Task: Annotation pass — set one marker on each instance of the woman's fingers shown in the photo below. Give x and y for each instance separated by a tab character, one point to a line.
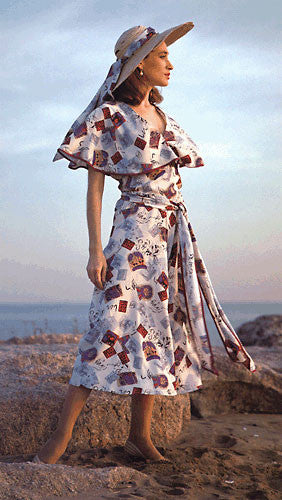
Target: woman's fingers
97	278
104	271
96	270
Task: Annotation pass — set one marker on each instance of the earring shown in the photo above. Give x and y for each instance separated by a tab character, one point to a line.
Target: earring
141	72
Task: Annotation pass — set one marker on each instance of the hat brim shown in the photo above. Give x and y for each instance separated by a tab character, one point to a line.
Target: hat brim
169	36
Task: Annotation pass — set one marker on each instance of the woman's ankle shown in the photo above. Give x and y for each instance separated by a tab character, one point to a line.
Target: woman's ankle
135	437
55	446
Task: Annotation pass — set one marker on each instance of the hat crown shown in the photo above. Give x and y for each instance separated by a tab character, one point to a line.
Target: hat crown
126	38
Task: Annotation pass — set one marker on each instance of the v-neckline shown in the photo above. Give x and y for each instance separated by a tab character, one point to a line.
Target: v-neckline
162	113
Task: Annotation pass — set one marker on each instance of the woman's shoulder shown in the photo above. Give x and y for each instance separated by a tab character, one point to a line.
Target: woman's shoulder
105	112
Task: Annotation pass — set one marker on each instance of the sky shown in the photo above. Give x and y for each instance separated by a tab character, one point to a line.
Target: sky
224	91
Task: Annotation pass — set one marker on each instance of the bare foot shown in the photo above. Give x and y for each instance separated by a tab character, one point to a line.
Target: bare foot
54	448
146	446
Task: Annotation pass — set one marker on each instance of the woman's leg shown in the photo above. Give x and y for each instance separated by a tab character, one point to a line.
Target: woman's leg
74	402
140	429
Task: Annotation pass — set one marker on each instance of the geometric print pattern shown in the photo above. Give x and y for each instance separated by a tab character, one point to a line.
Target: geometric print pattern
147	332
114	139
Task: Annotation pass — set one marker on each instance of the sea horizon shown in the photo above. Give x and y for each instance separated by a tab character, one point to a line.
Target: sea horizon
22	319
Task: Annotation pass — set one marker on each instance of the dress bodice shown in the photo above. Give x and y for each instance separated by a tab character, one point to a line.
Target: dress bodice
165	180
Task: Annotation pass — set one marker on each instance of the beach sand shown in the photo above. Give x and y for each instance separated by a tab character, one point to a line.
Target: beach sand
235	456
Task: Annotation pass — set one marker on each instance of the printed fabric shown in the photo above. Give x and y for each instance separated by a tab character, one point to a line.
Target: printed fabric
147	330
114	139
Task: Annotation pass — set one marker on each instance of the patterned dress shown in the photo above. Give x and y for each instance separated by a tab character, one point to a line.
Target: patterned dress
147	330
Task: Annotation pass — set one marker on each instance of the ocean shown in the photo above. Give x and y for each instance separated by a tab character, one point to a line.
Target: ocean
23	319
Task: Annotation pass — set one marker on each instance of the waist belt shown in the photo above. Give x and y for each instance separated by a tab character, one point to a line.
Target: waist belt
155	200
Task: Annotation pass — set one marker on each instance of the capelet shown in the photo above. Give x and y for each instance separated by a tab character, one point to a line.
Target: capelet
115	140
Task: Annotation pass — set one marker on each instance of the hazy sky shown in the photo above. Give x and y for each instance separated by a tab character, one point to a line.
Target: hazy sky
224	90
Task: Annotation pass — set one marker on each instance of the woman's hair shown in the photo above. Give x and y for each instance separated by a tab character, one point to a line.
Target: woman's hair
131	90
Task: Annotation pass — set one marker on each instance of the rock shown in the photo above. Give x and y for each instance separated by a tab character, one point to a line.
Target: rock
24	481
238	390
34	380
263	331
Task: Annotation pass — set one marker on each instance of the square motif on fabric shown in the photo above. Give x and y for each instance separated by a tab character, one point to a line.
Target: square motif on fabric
163	233
169	135
172	369
108	353
118	119
184	160
116	157
163	280
165	323
140	143
162	212
111	377
109	274
163	295
170	192
100	125
123	357
113	292
142	330
155	230
136	390
170	308
80	131
137	363
146	167
178	355
106	112
122	306
127	378
128	244
110	338
172	219
123	341
176	384
154	139
122	273
188	362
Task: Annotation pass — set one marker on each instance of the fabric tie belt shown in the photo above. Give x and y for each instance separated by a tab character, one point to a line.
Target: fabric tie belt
195	279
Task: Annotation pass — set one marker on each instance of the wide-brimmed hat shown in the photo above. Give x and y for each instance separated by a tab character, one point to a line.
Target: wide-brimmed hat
152	40
132	46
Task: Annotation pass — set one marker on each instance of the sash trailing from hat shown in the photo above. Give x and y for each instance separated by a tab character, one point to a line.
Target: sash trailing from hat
115	140
105	91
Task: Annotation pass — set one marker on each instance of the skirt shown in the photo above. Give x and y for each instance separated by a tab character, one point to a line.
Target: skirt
148	332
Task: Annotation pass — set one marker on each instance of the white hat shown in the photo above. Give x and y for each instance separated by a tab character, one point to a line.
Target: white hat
152	40
131	47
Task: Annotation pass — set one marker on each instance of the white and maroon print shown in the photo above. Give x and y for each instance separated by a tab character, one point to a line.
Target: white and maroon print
147	330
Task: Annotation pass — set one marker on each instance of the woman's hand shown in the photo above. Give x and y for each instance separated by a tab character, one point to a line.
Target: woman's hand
97	268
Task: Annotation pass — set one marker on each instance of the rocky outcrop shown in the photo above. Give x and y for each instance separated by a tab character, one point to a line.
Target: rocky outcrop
34	380
238	390
264	331
23	481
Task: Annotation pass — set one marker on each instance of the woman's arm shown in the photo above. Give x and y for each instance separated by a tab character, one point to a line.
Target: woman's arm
97	264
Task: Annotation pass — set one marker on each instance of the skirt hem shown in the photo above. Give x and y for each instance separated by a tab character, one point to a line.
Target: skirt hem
153	393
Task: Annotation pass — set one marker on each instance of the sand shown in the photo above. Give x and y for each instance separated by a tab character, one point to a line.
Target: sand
236	456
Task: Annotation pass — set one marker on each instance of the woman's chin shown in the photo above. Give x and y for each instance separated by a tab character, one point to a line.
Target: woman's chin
163	84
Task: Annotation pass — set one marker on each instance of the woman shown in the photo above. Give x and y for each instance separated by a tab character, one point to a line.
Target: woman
147	328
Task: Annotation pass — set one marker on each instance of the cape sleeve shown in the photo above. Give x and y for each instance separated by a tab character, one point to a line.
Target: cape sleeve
87	145
186	149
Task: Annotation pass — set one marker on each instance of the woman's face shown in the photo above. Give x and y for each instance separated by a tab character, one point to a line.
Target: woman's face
157	67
